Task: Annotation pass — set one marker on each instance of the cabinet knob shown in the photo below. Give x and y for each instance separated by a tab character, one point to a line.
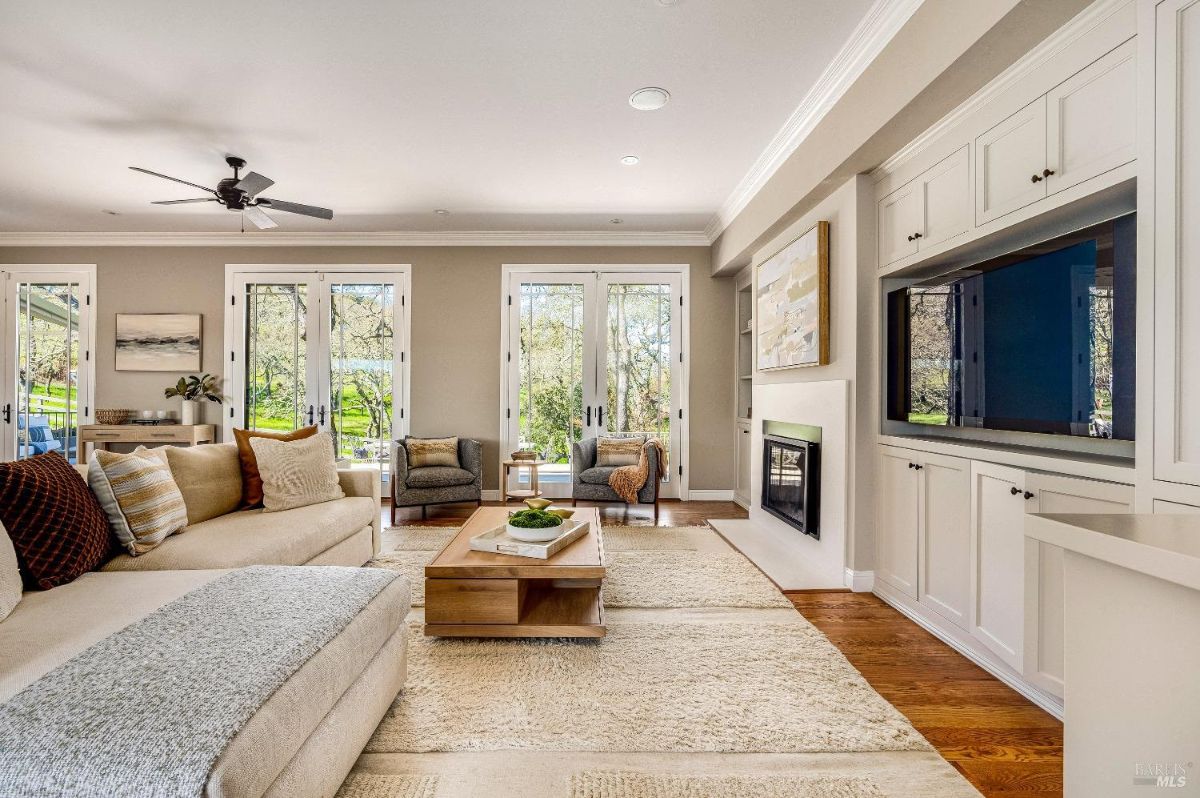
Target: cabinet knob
910	238
1047	172
1028	495
1036	179
916	236
1014	490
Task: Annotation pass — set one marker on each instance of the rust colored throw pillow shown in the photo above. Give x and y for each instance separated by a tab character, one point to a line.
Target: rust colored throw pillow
56	524
252	487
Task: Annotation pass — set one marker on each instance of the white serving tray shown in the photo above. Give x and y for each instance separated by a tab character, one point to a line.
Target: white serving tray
498	541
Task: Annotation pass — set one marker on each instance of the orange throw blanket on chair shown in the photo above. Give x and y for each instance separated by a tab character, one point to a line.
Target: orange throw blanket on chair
628	480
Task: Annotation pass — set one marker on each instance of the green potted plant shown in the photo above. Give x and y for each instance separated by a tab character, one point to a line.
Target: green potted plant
193	390
534	526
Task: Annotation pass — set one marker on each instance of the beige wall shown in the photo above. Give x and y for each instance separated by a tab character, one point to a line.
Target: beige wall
455	328
850	211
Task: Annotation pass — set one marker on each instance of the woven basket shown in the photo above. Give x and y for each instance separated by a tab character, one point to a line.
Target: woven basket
112	416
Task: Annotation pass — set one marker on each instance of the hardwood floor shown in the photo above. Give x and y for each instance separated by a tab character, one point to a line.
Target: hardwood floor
1003	744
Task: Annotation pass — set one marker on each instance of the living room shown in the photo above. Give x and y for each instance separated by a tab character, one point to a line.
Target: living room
665	398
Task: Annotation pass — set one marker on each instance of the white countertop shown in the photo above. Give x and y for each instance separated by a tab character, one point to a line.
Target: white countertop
1162	546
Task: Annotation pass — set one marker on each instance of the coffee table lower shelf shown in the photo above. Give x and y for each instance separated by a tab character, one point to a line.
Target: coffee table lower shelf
539	607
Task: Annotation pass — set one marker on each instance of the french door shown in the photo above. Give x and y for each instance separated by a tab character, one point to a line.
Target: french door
324	348
47	342
593	353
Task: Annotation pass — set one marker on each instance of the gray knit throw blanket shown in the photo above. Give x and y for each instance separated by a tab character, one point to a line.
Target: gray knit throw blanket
148	710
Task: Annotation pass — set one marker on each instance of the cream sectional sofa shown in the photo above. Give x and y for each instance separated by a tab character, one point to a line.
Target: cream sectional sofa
306	737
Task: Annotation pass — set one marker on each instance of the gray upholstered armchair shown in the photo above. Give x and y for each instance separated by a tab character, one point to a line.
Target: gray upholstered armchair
437	484
590	482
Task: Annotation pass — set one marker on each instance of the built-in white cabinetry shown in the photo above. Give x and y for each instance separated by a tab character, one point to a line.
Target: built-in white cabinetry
998	498
742	489
926	211
1090	124
944	547
1044	611
1009	161
1176	248
899	513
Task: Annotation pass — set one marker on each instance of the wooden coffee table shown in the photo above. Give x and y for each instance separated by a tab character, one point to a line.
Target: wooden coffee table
480	594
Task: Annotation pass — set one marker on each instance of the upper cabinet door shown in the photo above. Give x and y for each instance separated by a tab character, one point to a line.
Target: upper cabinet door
1009	163
1177	242
946	195
900	220
1091	120
898	517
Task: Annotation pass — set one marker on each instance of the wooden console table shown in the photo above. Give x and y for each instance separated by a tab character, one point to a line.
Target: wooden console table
102	435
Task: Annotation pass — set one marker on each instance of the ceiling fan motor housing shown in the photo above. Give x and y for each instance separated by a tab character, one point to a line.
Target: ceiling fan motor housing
234	198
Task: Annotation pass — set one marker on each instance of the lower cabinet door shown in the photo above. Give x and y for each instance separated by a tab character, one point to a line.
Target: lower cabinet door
945	539
998	560
1044	600
898	516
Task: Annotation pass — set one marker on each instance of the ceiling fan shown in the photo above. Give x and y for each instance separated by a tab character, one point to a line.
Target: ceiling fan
241	194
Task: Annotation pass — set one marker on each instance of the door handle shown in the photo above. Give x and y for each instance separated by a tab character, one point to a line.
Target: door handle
310	415
1014	490
8	414
589	416
321	417
600	415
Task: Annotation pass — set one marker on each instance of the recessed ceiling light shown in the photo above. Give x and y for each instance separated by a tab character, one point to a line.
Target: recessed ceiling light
630	160
441	211
110	212
668	2
650	98
616	221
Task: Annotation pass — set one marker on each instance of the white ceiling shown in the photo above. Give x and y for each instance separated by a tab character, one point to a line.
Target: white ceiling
513	114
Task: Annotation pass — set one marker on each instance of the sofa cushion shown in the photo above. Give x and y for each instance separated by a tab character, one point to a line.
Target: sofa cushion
297	473
56	525
438	477
252	537
251	480
619	451
10	576
209	477
140	498
597	475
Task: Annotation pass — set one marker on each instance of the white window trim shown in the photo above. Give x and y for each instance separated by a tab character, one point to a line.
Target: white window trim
684	270
229	354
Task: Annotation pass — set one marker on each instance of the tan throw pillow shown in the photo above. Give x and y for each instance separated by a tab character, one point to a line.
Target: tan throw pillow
424	452
618	451
252	490
140	498
208	476
10	576
296	473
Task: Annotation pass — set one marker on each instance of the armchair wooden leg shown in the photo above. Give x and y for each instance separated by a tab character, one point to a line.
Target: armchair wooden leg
393	512
574	502
656	511
479	502
424	513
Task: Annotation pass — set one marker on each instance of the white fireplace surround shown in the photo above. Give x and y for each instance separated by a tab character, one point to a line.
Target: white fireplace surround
792	559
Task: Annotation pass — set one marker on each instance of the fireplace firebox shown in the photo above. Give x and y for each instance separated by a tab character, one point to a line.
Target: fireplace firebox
791	482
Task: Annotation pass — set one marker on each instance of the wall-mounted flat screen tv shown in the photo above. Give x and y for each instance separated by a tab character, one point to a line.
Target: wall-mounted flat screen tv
1040	340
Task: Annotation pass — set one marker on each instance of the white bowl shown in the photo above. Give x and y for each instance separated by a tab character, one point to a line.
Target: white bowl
535	535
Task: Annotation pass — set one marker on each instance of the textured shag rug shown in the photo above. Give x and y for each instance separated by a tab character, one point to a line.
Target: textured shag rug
383	785
648	686
621	784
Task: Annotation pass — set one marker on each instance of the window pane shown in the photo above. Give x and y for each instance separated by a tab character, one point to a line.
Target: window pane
360	370
276	368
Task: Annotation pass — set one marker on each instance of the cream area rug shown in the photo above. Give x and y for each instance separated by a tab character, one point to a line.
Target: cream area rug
371	785
601	784
616	538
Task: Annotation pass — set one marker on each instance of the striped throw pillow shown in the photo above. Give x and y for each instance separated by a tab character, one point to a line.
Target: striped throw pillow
140	498
424	452
618	451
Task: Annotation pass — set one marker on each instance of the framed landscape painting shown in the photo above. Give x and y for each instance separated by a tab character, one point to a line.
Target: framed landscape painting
158	342
792	308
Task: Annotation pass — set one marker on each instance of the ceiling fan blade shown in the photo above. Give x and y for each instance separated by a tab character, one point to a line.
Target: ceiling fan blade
184	202
175	179
258	217
293	207
253	183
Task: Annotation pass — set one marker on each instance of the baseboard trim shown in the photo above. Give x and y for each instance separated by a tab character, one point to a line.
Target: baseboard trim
860	581
742	502
710	496
953	638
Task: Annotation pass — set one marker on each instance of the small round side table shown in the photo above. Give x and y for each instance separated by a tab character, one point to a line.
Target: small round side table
532	465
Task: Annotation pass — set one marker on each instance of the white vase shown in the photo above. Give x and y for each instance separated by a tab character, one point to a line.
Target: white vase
190	412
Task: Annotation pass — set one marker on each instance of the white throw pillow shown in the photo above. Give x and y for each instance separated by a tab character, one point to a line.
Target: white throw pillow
10	576
297	473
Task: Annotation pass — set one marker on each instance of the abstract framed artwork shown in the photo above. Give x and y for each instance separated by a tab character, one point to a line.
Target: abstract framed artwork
158	342
792	307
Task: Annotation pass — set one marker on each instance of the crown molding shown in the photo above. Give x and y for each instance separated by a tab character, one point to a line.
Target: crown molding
379	239
882	21
1048	48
